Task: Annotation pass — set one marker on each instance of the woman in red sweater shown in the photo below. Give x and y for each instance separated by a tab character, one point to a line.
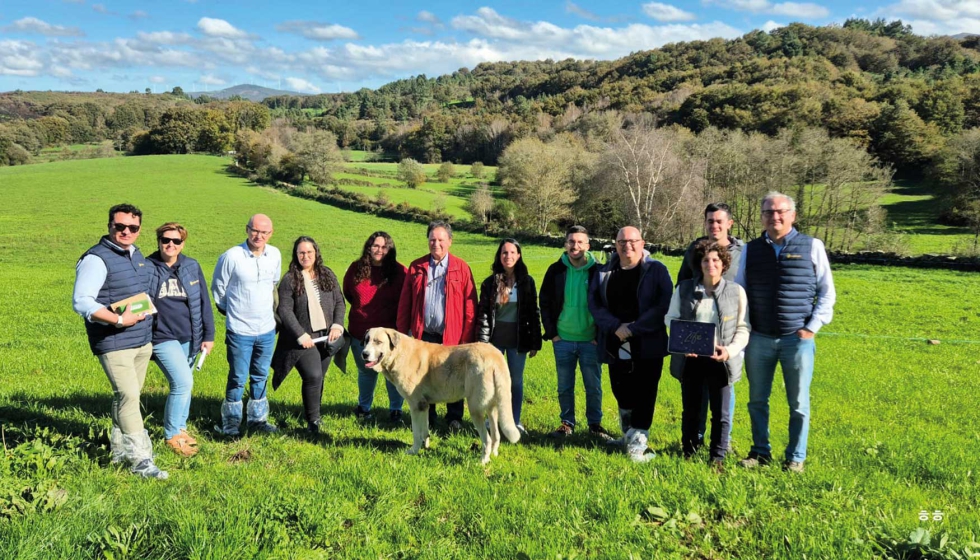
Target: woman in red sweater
372	286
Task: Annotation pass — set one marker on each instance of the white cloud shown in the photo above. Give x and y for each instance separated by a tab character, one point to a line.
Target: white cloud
935	17
211	80
220	28
301	85
802	10
666	12
264	74
100	8
772	25
19	58
164	37
35	25
428	17
157	79
318	31
573	8
137	15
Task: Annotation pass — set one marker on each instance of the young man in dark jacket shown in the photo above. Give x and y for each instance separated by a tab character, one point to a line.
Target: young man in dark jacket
569	325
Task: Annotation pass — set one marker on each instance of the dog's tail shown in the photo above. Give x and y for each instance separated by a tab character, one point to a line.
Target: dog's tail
505	412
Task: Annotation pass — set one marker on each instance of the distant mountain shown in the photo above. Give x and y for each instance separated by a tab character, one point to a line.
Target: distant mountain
961	36
251	92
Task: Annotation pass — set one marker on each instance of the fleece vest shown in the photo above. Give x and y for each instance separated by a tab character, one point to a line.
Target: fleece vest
781	290
726	302
189	274
126	276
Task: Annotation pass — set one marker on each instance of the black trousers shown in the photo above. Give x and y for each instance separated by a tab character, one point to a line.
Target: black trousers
312	366
699	374
635	384
454	410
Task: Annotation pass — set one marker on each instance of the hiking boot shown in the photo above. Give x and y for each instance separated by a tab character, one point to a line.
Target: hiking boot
313	428
395	417
455	426
596	430
755	460
564	430
793	466
362	414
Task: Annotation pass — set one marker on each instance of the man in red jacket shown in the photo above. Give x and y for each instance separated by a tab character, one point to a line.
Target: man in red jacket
438	303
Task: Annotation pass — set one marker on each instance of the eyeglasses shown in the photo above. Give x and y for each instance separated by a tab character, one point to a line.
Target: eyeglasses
123	227
176	242
625	242
379	247
258	232
771	213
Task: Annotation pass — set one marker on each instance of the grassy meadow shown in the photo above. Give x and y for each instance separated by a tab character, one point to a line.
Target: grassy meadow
894	432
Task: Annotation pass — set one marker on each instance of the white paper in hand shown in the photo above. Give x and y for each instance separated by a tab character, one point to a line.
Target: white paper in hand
200	360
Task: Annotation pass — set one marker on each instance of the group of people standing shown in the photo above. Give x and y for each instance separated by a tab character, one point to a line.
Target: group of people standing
617	313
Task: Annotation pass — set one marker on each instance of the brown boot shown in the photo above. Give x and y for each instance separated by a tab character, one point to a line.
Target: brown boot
182	445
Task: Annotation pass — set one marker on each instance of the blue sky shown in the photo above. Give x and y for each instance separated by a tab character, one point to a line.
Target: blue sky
332	46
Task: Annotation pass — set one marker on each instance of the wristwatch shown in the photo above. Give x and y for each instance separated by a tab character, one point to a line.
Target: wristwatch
119	321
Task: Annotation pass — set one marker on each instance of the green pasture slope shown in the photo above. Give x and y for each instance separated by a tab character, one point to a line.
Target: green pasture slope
895	425
454	194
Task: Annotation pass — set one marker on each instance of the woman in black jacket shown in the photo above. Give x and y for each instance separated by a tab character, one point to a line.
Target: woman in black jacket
507	316
311	305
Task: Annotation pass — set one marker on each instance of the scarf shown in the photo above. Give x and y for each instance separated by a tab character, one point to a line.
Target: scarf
317	321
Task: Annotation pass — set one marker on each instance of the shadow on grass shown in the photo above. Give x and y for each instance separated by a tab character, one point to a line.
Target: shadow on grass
918	216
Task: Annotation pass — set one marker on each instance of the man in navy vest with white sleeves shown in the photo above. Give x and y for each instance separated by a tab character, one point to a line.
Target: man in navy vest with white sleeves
787	278
109	272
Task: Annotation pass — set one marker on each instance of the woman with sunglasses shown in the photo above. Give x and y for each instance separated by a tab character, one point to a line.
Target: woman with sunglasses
508	318
182	327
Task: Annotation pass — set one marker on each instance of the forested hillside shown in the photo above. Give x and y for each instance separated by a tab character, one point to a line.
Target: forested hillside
828	113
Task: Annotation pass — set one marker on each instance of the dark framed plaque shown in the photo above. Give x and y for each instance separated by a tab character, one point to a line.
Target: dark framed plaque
691	337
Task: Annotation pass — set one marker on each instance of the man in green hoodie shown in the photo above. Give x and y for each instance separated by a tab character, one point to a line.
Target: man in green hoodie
569	325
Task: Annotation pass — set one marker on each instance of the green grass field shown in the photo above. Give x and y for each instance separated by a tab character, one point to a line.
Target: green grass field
914	210
455	193
894	429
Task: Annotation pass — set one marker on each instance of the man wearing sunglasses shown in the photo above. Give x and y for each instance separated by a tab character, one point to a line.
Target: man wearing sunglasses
243	284
111	271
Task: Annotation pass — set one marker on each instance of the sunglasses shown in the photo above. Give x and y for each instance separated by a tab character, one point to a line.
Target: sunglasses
164	240
123	227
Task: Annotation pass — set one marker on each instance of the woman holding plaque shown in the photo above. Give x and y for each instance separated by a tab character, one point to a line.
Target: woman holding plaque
182	327
712	299
311	308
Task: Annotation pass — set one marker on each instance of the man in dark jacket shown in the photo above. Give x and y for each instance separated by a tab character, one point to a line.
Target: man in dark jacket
717	227
629	298
109	272
569	325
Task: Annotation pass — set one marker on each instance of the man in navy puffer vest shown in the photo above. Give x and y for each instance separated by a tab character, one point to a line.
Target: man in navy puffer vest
787	278
111	271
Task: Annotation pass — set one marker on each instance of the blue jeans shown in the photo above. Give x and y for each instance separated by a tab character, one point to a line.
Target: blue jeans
585	355
795	355
249	358
515	363
175	361
367	379
705	402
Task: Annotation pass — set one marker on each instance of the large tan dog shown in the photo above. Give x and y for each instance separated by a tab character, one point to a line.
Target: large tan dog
426	373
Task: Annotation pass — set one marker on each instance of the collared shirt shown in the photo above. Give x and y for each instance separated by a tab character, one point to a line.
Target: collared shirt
243	286
823	309
90	275
434	311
